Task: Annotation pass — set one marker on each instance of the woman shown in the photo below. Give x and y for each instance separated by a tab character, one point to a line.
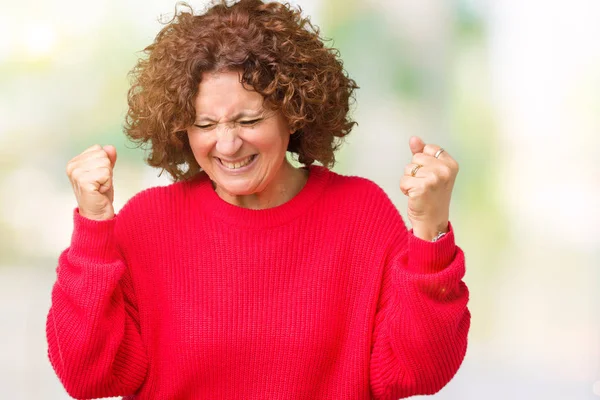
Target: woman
247	277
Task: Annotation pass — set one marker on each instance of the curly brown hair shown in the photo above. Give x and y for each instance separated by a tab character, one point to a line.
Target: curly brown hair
279	54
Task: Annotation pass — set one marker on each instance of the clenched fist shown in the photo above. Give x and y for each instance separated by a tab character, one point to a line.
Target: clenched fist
428	182
91	175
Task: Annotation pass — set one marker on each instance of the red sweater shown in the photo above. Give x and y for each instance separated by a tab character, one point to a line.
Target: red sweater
328	296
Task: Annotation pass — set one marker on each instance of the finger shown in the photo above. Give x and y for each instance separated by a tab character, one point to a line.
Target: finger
111	152
105	187
92	148
89	153
432	150
404	186
97	178
94	161
416	144
412	170
99	175
423	159
88	186
410	186
106	182
428	156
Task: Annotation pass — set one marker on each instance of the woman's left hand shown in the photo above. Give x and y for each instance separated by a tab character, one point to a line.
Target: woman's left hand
428	183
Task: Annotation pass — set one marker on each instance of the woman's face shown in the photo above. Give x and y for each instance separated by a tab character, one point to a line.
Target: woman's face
235	140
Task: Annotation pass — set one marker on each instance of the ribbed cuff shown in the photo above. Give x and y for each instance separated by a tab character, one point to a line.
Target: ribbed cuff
93	240
429	257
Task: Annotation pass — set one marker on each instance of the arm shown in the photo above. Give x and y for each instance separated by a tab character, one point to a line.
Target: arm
422	320
92	328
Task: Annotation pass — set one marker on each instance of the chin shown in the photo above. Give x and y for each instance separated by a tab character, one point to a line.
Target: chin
237	188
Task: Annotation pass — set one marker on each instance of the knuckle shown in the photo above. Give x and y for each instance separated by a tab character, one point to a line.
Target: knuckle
434	180
418	190
106	174
419	158
88	187
98	173
445	173
75	175
102	162
90	150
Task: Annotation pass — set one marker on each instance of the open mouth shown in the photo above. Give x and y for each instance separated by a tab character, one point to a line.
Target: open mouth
238	164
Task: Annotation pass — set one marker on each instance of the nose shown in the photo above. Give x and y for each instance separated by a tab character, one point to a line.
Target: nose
228	141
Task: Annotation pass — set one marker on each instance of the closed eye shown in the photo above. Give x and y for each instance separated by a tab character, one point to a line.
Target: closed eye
250	122
204	126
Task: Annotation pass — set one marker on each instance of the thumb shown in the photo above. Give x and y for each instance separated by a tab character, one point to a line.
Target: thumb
111	151
416	144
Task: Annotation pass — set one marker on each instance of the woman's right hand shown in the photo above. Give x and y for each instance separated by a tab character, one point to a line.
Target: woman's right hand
91	175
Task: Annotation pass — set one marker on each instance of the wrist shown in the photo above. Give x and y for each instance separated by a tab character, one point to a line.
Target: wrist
430	232
97	217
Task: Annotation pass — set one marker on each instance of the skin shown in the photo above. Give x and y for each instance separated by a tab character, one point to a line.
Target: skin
233	123
430	190
90	174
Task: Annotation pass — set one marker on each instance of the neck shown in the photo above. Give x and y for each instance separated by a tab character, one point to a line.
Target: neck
287	184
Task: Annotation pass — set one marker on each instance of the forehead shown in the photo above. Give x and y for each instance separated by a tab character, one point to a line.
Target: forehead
222	93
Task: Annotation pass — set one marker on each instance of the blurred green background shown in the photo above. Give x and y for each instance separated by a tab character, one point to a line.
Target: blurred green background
510	89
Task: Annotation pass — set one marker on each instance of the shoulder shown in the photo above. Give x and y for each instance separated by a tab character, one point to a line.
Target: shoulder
360	196
356	189
153	202
150	211
148	198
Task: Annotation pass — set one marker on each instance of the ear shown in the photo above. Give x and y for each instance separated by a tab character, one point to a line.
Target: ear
293	129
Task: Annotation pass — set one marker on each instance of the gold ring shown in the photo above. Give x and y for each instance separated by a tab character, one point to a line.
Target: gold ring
415	169
440	151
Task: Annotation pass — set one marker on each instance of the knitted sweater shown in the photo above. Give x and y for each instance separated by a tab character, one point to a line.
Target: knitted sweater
184	296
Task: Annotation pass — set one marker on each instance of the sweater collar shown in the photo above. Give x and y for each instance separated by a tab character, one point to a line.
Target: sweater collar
210	203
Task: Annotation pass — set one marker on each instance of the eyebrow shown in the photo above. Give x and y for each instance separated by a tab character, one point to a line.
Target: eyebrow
241	114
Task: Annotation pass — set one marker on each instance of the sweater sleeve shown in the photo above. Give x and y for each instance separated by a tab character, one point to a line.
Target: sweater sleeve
422	320
92	328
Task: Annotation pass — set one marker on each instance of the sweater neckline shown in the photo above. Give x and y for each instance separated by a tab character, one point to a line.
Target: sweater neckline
211	203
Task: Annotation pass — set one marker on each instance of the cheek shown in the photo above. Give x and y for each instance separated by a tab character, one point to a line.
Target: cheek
276	140
200	146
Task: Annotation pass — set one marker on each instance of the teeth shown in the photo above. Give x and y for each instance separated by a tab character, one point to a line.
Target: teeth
238	164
